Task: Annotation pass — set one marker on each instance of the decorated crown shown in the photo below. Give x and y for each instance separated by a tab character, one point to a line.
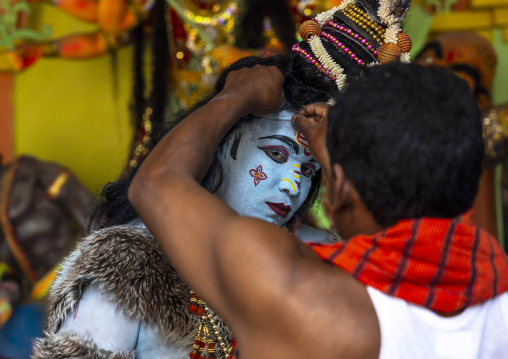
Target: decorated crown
355	33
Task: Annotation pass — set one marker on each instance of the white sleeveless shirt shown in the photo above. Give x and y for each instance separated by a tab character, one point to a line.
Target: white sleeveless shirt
411	331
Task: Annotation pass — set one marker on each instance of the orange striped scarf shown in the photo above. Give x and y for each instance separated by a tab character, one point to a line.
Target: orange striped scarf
442	264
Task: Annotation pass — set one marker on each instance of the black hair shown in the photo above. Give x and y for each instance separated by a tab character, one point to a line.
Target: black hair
410	139
475	75
303	85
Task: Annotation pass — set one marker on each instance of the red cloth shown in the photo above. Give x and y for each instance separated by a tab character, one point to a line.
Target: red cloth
442	264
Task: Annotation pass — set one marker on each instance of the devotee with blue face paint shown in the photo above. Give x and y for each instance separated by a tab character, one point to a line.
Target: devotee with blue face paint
117	292
118	295
269	167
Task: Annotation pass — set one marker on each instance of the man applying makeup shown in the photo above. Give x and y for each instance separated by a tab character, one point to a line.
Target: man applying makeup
414	277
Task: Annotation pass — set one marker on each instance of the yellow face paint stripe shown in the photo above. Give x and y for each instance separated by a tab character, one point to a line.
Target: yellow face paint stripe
298	166
297	176
292	185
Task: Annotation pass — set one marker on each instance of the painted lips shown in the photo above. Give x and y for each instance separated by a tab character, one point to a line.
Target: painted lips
280	209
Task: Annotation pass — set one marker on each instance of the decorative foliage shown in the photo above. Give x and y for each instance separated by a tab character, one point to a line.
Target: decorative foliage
9	32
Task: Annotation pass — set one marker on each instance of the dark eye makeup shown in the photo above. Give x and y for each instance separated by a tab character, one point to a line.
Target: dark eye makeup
276	153
308	170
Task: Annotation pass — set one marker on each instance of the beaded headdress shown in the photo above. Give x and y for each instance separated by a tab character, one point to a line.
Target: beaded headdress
355	33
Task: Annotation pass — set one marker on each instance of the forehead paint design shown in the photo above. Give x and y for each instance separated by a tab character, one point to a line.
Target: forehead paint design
258	175
302	141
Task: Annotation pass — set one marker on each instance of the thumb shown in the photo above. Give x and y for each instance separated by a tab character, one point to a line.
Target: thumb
301	123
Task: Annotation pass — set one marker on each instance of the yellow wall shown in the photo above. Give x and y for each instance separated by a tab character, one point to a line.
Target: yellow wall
66	111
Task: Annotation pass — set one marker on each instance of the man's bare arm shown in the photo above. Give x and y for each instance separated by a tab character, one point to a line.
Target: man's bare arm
187	220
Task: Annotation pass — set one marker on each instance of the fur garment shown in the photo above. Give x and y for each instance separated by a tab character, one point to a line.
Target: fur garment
129	264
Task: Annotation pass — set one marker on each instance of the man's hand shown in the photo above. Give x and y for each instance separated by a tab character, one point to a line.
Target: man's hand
312	122
258	87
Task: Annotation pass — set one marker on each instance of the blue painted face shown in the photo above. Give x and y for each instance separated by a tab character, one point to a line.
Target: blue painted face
268	169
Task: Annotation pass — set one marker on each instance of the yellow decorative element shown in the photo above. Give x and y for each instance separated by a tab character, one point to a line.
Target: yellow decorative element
501	16
466	20
388	53
292	185
42	287
301	140
110	41
309	28
141	149
179	55
485	3
404	42
54	189
298	166
297	176
9	63
50	49
360	17
222	14
328	15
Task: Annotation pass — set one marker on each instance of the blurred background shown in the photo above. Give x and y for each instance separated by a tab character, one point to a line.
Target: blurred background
82	82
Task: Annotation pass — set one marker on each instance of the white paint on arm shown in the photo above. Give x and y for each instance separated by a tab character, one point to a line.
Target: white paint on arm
98	318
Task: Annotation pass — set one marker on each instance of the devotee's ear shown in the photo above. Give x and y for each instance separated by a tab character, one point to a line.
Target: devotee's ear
350	215
337	188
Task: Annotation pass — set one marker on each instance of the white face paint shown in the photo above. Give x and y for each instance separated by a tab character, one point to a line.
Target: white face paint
272	173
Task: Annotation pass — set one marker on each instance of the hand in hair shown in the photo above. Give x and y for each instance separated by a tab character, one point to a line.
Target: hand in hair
259	88
312	122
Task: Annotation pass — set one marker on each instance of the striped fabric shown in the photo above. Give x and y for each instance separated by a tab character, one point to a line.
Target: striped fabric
442	264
